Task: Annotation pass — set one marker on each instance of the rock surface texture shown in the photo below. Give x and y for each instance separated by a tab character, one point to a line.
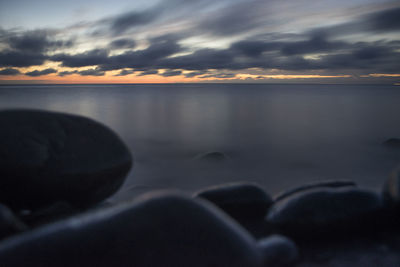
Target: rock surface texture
47	157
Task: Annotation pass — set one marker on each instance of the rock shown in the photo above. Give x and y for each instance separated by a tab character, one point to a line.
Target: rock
239	200
9	223
319	184
392	142
213	156
326	209
48	157
278	250
391	189
54	212
161	229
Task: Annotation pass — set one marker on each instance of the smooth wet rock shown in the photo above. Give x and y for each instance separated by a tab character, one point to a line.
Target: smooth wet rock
278	250
324	209
391	189
213	156
9	223
47	157
239	200
160	229
313	185
392	142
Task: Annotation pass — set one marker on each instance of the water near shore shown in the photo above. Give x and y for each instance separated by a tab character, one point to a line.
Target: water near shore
279	136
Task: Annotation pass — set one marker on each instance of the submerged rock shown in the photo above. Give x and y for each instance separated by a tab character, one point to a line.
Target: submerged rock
391	190
161	229
48	157
319	184
392	142
213	156
9	223
278	250
325	209
240	200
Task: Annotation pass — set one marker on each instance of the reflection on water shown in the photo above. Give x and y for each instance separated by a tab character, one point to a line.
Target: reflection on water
277	135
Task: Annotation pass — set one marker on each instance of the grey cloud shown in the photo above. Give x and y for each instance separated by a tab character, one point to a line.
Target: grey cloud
194	73
386	20
91	72
148	72
219	75
90	58
37	73
66	73
170	73
20	59
133	19
123	43
9	71
125	72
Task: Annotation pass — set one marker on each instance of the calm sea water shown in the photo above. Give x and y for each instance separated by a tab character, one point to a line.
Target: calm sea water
276	135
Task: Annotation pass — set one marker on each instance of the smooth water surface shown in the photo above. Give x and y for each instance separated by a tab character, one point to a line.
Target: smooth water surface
276	135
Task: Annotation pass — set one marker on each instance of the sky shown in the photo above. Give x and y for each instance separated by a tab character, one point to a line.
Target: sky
260	41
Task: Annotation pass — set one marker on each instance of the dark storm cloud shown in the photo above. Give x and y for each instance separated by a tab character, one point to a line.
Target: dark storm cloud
133	19
195	73
66	73
219	76
148	72
170	73
91	72
36	41
386	20
37	73
9	71
20	59
90	58
125	72
254	48
123	43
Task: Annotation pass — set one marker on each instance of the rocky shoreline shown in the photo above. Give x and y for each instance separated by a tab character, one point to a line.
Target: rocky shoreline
57	169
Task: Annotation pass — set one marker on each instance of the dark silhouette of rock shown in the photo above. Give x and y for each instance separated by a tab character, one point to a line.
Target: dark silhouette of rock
51	213
278	250
9	223
391	189
392	142
319	184
161	229
48	157
239	200
213	156
325	209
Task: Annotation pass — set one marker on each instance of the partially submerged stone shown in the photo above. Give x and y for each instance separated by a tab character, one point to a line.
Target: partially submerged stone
47	157
325	209
240	200
9	223
278	250
161	229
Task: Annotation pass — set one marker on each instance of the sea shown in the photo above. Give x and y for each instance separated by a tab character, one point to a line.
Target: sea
276	135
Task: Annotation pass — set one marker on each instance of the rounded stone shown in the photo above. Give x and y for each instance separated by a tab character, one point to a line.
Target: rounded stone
239	200
9	223
48	157
391	189
161	229
278	250
319	208
314	185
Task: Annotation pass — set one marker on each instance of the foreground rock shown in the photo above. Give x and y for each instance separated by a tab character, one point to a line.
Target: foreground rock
326	209
240	200
306	187
157	230
48	157
9	223
391	190
278	250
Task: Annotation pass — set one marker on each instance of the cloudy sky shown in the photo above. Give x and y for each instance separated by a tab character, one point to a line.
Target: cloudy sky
76	41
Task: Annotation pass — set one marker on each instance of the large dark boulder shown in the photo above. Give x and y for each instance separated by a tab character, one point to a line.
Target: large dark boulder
327	210
239	200
9	223
162	229
47	157
391	189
